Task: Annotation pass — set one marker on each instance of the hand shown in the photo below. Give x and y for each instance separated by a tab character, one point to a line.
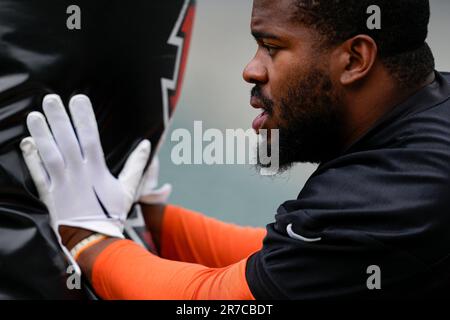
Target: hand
147	193
153	201
71	174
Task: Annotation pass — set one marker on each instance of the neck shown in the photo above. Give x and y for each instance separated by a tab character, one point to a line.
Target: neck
365	108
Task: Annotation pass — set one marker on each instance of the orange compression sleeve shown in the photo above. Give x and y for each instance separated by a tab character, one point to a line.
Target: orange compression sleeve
189	236
125	270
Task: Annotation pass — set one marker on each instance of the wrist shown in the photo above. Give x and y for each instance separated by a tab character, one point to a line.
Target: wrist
71	236
88	255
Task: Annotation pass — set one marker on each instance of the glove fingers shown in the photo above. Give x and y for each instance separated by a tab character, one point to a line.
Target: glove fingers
43	138
83	117
132	172
62	129
150	178
158	196
35	165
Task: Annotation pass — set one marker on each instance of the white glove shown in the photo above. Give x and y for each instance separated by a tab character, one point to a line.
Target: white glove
71	174
147	193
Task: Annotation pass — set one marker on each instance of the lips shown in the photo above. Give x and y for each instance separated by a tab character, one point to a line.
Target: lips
256	103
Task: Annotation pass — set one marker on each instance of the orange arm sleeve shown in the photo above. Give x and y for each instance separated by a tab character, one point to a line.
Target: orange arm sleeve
189	236
125	270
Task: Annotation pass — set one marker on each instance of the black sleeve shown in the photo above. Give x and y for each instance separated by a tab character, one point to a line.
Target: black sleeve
386	208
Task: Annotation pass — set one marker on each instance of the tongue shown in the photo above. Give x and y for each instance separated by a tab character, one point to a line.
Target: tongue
259	121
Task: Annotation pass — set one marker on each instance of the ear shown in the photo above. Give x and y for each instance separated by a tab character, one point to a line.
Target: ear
356	58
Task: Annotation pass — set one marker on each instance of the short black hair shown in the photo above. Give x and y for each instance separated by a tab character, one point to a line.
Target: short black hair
401	39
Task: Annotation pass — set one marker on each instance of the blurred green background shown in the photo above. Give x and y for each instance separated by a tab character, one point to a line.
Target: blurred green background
215	93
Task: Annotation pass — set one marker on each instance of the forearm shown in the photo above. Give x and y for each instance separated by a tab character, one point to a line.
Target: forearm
121	269
189	236
153	216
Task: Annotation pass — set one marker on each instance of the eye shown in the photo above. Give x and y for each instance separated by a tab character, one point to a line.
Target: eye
272	50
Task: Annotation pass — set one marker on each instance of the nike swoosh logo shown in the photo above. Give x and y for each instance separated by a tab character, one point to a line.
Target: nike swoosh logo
296	236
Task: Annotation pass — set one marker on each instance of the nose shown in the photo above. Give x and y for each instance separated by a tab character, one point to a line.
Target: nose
255	72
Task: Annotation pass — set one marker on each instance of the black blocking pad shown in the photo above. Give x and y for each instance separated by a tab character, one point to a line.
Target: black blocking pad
128	57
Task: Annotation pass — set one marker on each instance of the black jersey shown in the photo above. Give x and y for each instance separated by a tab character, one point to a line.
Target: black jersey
373	222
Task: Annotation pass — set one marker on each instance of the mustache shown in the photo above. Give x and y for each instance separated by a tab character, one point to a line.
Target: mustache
256	92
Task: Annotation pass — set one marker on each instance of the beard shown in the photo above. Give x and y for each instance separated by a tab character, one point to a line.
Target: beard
309	120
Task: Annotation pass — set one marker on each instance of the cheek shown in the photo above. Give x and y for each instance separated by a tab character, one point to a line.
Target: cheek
281	84
285	72
283	75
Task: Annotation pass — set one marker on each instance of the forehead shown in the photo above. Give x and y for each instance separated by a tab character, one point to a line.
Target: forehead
275	16
273	8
